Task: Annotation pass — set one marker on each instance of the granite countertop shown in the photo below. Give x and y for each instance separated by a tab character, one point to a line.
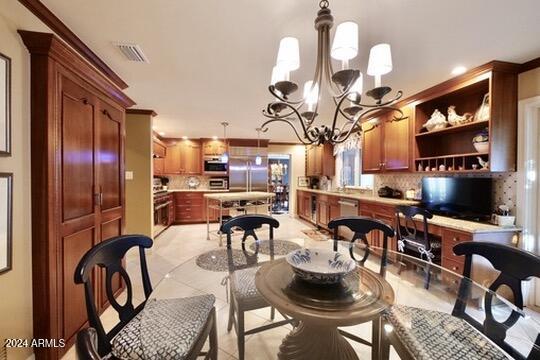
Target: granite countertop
443	221
364	197
199	190
232	196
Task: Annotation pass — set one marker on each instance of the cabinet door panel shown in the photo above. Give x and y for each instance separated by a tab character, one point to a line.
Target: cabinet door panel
371	149
397	144
172	160
111	139
77	152
73	247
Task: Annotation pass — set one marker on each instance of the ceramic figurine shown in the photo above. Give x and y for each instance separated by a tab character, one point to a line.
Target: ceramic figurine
455	119
482	114
483	164
420	168
442	167
427	168
461	168
450	168
475	166
437	121
434	169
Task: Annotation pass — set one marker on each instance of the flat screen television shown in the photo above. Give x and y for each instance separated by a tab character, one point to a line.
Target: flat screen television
458	197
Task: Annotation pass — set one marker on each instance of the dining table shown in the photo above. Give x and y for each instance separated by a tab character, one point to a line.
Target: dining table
332	321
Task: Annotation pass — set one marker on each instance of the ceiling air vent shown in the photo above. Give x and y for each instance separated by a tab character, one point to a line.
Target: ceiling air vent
132	52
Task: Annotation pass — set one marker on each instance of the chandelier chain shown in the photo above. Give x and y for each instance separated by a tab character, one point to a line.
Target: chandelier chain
323	4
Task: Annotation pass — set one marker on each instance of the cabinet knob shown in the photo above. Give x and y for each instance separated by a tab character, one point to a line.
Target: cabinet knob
455	239
455	268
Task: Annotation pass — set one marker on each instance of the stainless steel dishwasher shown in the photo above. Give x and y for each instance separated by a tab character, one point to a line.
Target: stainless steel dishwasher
347	207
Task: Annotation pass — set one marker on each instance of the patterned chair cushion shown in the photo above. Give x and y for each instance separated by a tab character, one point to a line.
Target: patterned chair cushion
435	335
164	329
243	285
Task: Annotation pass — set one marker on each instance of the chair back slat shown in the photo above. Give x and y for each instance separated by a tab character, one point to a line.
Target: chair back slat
407	213
108	255
515	266
248	224
361	226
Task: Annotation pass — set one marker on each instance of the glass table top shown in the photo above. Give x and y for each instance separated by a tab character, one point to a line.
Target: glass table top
372	289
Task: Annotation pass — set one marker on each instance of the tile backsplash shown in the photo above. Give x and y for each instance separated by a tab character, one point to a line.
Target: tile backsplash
504	185
180	181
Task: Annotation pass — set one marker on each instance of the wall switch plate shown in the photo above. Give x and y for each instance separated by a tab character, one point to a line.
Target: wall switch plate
129	175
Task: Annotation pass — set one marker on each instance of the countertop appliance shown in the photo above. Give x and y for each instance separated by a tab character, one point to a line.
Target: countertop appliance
388	192
218	183
214	165
458	197
244	172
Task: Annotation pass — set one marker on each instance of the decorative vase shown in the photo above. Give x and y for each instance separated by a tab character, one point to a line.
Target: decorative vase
481	141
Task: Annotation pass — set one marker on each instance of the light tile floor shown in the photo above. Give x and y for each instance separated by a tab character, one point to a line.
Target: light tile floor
181	243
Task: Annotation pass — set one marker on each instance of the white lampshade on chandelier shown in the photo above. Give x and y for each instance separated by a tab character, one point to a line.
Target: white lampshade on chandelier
345	84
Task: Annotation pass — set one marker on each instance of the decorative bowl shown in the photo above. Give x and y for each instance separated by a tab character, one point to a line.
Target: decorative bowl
481	147
319	266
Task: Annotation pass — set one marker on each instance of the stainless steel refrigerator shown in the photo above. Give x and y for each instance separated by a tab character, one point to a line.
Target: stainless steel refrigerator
244	173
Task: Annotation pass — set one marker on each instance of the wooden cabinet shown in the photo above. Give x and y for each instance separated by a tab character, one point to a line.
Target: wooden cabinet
387	145
77	133
320	160
213	147
323	213
183	158
158	149
188	207
303	199
159	166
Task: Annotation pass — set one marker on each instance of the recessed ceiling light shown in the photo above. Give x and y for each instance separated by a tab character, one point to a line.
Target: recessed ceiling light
161	133
184	137
214	137
458	70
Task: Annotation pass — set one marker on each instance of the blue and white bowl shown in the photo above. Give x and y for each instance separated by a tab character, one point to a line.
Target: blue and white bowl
319	266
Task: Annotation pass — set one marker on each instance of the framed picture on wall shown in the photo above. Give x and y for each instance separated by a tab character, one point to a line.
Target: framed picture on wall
6	220
5	105
303	181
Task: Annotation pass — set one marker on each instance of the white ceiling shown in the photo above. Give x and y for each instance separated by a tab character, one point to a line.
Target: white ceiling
210	60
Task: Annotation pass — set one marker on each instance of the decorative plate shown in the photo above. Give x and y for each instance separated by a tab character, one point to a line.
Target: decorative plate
319	266
193	182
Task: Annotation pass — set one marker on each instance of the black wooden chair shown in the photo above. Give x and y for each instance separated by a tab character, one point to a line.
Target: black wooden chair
419	333
126	339
244	295
86	345
412	242
361	227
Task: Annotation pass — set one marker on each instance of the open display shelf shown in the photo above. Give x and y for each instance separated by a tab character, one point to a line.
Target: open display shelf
453	146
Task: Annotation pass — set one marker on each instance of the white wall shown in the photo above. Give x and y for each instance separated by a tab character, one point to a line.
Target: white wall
298	167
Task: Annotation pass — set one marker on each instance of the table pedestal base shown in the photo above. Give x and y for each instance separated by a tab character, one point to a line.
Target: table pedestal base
312	342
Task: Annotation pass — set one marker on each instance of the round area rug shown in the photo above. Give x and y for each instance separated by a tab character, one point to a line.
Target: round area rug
281	247
216	260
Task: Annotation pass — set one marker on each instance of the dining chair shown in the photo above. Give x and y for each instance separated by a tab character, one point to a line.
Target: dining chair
86	345
243	293
148	326
361	227
417	243
427	334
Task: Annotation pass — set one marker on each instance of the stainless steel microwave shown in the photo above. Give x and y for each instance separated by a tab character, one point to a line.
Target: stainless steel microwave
218	183
213	165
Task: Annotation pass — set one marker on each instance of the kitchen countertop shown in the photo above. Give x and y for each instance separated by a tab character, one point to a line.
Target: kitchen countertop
443	221
232	196
364	197
199	190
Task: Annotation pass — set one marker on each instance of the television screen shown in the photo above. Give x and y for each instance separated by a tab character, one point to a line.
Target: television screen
466	198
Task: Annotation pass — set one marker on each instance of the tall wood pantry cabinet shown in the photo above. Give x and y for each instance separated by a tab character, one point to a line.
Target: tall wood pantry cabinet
77	136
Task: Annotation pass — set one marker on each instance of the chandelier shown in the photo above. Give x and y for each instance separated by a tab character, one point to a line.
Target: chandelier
345	86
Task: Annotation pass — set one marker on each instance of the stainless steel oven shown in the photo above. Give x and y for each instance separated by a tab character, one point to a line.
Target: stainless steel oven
213	165
163	211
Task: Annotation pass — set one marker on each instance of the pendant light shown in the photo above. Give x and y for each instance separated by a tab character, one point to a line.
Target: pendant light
258	159
225	156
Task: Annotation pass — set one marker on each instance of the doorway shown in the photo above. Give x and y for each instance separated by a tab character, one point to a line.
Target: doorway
279	166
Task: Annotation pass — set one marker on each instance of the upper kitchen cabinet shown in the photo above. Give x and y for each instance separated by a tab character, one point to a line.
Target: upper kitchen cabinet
183	158
386	144
483	141
320	160
159	153
213	147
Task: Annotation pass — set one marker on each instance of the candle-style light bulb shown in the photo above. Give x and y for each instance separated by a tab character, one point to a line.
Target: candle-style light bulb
311	94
